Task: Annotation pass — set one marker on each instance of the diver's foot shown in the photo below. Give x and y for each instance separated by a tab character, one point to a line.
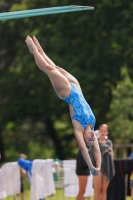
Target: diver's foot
38	46
30	44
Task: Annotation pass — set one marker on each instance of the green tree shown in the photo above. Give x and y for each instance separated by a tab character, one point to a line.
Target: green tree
92	45
120	117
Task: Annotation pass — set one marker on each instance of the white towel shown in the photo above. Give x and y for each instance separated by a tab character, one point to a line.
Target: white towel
42	181
2	191
9	180
71	186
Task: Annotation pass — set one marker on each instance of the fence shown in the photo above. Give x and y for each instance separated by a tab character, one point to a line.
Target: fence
122	150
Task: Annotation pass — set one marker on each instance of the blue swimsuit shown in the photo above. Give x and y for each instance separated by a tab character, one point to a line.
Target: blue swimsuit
82	111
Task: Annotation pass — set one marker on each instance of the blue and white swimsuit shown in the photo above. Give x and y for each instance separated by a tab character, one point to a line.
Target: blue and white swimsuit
82	111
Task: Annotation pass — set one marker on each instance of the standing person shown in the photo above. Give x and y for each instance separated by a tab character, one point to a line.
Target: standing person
107	171
82	171
68	89
27	166
22	175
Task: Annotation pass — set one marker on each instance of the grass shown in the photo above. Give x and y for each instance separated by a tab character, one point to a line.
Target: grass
58	196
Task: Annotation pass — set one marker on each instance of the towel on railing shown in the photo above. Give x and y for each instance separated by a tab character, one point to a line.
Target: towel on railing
9	179
42	181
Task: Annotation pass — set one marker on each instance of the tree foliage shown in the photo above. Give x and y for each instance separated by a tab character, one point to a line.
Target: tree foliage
92	45
121	109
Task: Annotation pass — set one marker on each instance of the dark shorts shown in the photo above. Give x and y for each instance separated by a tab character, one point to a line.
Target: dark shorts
82	168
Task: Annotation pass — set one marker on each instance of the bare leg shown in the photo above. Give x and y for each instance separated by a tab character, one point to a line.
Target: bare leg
39	48
104	187
15	197
97	186
69	76
100	187
58	80
49	61
82	187
132	193
22	196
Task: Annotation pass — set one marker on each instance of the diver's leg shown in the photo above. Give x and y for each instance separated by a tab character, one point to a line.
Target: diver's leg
70	77
49	61
58	80
41	51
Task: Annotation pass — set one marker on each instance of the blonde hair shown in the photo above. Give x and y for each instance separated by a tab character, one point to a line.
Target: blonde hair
104	125
22	155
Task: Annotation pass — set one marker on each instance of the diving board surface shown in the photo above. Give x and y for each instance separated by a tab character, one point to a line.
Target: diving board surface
43	11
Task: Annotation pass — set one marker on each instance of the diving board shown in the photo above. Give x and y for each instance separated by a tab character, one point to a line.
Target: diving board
43	11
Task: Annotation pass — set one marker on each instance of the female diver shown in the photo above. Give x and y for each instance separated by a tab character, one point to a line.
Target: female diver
68	89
